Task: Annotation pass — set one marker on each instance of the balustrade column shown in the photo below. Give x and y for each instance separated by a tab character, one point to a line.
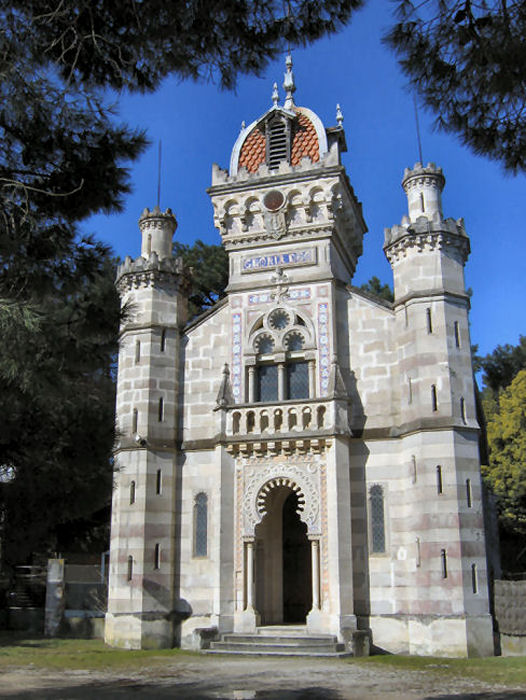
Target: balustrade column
312	379
315	557
251	384
281	382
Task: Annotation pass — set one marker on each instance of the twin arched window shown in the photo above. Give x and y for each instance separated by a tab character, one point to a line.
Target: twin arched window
281	330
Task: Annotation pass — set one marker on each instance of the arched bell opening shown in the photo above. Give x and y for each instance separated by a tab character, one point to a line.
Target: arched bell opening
283	556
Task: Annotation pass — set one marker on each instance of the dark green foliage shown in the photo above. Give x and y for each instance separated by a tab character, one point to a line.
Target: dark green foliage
62	158
125	43
468	64
503	401
57	404
209	265
503	364
374	286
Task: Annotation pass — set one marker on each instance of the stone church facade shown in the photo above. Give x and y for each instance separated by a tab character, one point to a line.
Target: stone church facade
303	453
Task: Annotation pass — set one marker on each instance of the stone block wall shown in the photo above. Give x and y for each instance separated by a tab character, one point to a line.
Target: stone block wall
207	349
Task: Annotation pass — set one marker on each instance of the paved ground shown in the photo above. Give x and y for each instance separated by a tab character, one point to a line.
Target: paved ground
235	678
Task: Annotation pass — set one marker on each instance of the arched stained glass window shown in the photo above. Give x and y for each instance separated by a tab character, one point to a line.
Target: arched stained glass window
201	525
376	500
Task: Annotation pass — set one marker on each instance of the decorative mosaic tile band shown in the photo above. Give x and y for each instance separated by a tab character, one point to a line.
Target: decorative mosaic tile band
301	293
265	297
254	263
259	298
236	355
323	347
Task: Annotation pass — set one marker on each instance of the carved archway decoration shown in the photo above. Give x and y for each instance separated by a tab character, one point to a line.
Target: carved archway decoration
261	500
258	482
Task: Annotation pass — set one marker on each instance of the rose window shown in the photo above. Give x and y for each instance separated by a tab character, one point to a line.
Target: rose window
279	319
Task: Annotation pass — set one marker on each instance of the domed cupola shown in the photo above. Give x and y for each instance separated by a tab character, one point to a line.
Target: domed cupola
284	134
286	201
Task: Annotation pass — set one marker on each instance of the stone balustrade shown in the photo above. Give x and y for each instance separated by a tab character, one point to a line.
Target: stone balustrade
276	420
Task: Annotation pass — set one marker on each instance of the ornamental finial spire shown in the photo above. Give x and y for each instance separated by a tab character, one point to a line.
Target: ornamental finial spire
275	94
288	84
339	115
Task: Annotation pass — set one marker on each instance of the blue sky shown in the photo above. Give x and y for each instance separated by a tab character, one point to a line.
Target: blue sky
198	124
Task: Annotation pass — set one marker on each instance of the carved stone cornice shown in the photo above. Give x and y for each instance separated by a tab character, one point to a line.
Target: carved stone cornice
152	272
248	240
261	448
425	236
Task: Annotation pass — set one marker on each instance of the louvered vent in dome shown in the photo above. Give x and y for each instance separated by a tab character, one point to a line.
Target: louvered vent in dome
278	149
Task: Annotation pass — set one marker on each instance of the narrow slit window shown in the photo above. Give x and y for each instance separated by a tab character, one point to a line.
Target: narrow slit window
409	390
135	420
201	525
406	317
434	400
137	351
422	203
161	409
163	340
159	482
468	493
462	409
413	469
157	557
418	557
443	562
129	573
429	321
132	492
376	500
457	334
440	488
474	579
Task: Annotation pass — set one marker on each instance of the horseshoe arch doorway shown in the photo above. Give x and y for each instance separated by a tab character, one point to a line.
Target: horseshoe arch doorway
283	557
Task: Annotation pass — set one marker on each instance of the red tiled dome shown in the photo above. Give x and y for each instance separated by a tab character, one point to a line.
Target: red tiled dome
253	151
304	143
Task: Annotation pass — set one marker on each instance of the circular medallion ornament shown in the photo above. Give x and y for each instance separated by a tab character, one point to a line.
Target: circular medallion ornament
273	200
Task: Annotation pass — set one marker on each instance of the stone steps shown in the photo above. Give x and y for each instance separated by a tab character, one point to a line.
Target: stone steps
279	641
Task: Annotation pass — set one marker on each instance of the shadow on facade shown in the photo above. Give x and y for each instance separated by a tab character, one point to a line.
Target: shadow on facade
358	457
182	608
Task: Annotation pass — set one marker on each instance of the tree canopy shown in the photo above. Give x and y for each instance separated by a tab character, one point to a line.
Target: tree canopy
503	364
209	264
466	61
134	45
504	403
63	157
374	286
506	472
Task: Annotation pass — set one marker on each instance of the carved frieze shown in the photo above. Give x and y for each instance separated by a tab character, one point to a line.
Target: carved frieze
259	479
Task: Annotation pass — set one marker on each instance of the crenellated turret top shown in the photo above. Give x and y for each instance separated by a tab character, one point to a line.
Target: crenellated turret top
157	229
423	187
